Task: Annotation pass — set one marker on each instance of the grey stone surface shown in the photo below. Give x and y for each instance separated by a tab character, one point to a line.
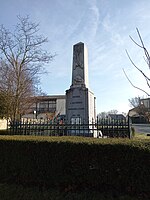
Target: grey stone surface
80	66
80	101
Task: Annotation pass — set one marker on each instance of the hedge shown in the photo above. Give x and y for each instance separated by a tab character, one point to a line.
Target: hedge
76	164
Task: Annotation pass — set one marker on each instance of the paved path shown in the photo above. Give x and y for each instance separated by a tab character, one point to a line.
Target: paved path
142	128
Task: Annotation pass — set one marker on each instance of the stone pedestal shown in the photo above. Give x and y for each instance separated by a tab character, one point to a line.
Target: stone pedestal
79	105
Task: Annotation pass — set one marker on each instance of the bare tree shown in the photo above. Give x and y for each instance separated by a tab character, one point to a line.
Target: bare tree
135	102
102	115
147	60
113	112
22	60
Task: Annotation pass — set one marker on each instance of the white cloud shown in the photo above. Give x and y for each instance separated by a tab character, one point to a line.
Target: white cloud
94	18
112	28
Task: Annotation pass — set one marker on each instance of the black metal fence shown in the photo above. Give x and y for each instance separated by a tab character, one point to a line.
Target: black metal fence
100	128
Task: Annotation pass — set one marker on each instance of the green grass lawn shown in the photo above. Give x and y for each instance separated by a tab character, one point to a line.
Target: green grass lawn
141	136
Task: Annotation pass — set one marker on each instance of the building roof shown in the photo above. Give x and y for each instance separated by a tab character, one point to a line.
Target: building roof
49	97
116	116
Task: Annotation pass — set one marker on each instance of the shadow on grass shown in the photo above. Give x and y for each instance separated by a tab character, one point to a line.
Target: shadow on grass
18	192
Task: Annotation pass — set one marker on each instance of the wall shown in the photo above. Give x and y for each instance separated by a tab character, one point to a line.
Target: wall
61	106
3	124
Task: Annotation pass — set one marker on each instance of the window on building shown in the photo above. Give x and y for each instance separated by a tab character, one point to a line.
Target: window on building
47	106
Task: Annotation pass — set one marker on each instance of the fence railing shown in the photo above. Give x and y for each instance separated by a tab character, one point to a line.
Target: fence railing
101	128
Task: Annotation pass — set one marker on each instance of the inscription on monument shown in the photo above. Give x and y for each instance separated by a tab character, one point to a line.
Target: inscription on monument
75	108
77	102
75	96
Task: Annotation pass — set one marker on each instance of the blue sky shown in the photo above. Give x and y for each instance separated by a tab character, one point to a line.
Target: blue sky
104	26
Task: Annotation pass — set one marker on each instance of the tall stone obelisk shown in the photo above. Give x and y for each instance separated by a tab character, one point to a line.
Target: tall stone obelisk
80	101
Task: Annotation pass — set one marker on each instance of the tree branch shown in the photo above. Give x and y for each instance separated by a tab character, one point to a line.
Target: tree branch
134	85
146	77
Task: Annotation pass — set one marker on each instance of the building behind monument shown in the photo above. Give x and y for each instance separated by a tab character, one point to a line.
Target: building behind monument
46	107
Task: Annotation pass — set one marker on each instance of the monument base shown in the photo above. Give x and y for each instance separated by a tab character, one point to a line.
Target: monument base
80	106
85	132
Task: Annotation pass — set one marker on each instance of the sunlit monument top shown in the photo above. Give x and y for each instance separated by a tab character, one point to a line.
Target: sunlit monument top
80	65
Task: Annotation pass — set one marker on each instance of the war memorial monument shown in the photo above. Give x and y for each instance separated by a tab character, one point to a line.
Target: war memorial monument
80	101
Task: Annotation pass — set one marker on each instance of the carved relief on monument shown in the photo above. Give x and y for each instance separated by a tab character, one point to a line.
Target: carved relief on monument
77	57
78	80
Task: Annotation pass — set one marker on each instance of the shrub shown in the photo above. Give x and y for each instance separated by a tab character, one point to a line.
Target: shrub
76	164
3	132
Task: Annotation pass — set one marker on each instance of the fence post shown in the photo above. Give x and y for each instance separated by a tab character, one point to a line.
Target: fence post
129	127
97	127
